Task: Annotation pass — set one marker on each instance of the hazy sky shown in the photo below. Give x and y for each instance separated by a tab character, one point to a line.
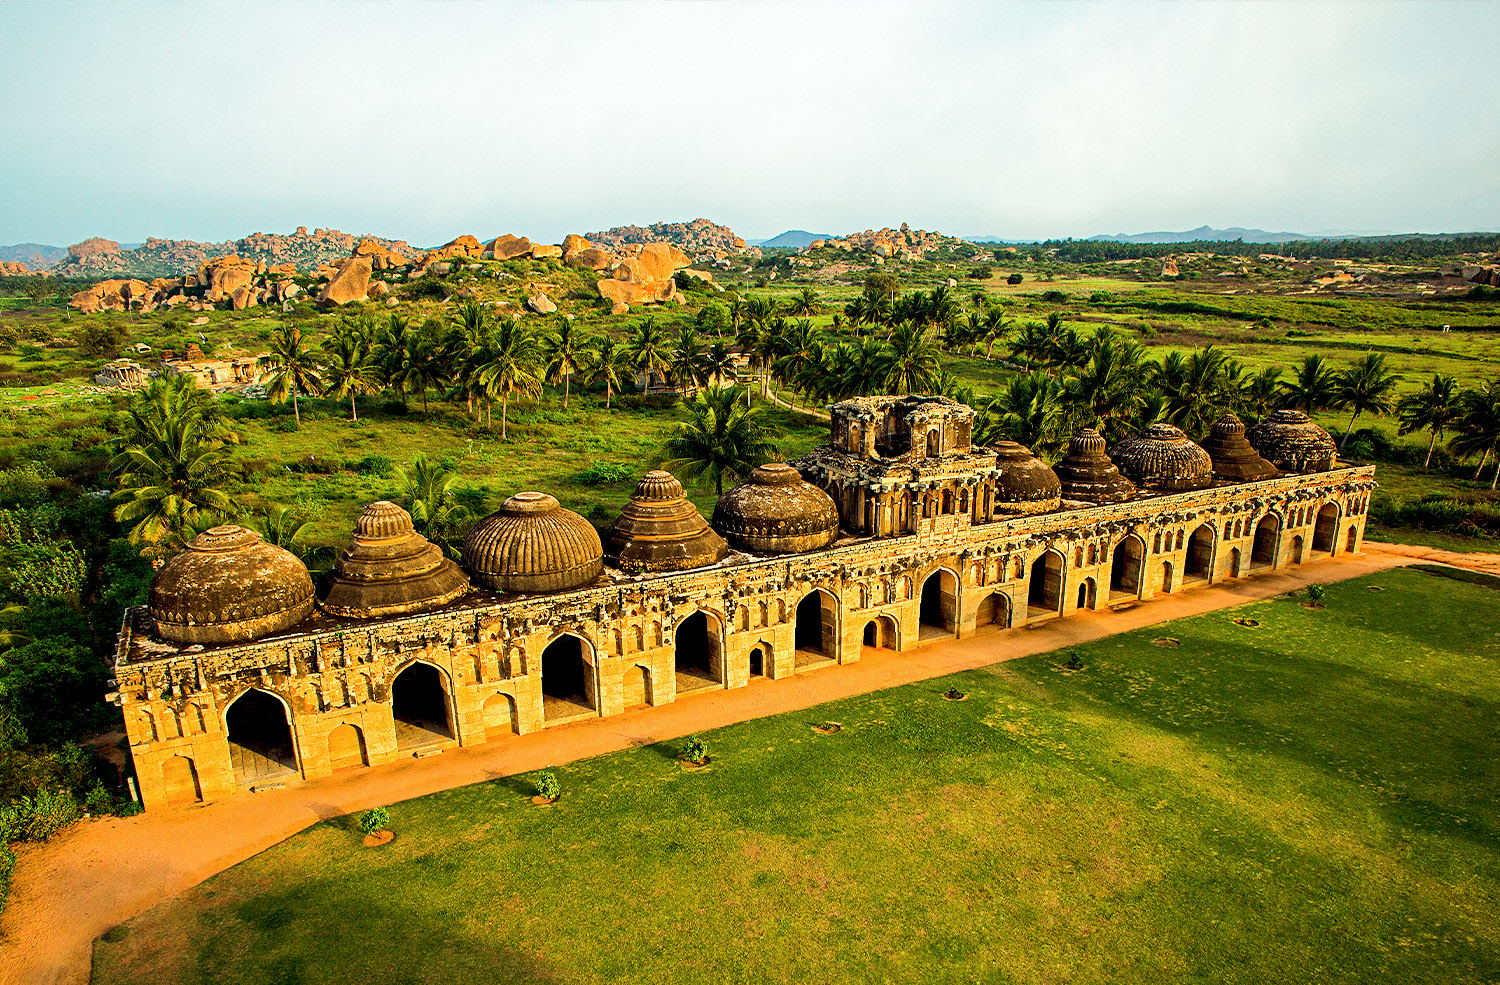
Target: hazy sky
426	120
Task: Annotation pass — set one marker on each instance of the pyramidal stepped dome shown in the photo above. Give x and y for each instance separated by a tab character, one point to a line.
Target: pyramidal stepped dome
776	511
229	586
1291	441
390	569
1163	459
659	530
1087	474
1026	484
532	545
1234	458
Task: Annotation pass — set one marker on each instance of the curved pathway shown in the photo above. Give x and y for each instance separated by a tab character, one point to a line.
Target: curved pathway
98	874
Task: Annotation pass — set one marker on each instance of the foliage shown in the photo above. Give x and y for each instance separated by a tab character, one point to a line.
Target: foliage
37	817
696	751
722	439
547	785
604	473
1316	594
373	820
435	510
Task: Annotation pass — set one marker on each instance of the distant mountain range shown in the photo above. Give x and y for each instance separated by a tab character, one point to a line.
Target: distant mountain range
794	238
36	256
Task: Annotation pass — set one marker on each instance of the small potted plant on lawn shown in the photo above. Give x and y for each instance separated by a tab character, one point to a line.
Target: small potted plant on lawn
374	824
547	788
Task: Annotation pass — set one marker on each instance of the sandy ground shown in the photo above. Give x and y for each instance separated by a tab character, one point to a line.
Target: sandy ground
72	889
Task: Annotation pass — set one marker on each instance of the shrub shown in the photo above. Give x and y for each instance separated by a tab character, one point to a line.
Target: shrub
697	750
601	473
1014	279
373	820
981	272
427	286
1101	297
1055	297
39	817
1316	594
376	465
1074	661
547	785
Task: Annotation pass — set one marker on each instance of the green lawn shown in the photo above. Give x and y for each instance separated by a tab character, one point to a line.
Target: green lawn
1316	799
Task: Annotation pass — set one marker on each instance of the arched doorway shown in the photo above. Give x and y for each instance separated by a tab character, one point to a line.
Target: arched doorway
1352	541
696	656
1088	594
1267	537
1326	529
567	679
500	718
1166	577
346	748
1233	571
934	444
1297	547
760	657
419	703
179	779
880	633
993	612
635	686
260	737
1045	590
1200	553
1126	567
938	616
815	634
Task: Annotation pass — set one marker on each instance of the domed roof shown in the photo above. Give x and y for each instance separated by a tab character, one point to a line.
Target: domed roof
776	511
1163	459
659	530
390	569
1291	441
1026	484
531	544
1087	474
229	586
1234	458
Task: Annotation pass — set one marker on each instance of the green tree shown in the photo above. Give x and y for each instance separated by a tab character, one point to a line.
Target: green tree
1477	431
805	304
1311	387
650	349
290	368
435	511
801	344
689	362
514	367
172	473
390	352
1029	410
1435	408
1108	393
564	353
1367	387
610	364
911	365
347	369
722	439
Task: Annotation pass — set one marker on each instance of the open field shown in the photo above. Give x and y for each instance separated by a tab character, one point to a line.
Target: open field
1310	799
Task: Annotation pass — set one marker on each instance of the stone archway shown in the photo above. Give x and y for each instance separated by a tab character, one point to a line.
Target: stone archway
500	716
1233	570
880	633
1267	538
1326	529
1200	553
180	781
567	679
346	748
1352	541
938	612
1088	594
1127	567
697	652
815	631
1298	545
419	704
993	612
1044	591
259	731
1166	577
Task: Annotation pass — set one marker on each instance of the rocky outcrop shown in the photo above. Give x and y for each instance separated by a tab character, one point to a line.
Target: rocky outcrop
112	295
904	243
590	258
13	268
572	245
700	238
350	283
541	304
645	277
508	247
381	256
222	276
94	246
542	251
1169	268
300	251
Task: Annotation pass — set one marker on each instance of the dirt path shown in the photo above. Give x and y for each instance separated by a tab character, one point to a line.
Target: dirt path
809	411
69	891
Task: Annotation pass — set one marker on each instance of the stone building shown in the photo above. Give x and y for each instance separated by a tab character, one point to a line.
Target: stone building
899	532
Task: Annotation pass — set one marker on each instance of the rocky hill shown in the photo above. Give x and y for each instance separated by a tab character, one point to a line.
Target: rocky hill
36	256
698	239
304	250
793	239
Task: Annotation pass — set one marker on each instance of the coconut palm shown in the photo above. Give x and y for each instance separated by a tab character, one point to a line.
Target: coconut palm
1028	410
564	353
718	362
912	364
722	439
1365	387
1435	408
1195	388
804	305
857	369
1109	391
435	511
650	350
390	352
608	363
289	530
689	362
172	482
1477	430
514	368
996	326
289	368
798	346
1259	393
1311	387
347	368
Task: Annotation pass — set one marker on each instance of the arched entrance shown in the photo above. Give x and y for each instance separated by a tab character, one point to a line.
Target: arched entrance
419	703
260	737
1326	529
1297	548
1233	571
938	617
696	657
993	612
567	680
880	633
1200	553
760	658
1166	577
815	633
1267	537
179	779
1127	564
500	717
1044	593
346	748
1352	541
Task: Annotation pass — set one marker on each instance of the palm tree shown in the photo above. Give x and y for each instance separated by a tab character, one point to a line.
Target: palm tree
722	439
608	363
1258	394
1195	387
650	350
347	371
284	528
422	366
799	346
996	325
1311	388
1108	392
1478	428
514	367
689	364
804	304
912	365
718	363
289	368
1028	410
1365	387
171	479
564	355
435	512
1434	409
390	352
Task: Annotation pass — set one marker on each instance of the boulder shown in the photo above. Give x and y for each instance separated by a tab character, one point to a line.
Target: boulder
571	244
540	252
590	258
1169	267
351	283
619	308
508	247
629	292
200	321
379	289
463	246
702	275
224	275
541	304
391	302
654	262
287	290
242	297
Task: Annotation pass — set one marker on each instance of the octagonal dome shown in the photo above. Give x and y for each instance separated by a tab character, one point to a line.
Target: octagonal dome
531	545
1234	458
1025	484
1087	474
1291	441
390	569
1163	459
776	511
229	586
659	530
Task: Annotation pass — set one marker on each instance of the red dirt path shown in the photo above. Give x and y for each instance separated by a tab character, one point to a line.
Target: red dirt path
70	890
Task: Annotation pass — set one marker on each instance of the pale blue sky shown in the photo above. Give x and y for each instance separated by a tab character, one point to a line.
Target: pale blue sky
426	120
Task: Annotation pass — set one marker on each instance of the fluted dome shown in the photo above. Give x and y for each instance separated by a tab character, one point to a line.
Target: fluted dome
1026	484
229	586
776	511
659	530
1087	474
1289	440
391	570
1234	458
531	544
1163	459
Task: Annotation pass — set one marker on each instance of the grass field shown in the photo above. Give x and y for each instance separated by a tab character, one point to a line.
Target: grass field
1316	799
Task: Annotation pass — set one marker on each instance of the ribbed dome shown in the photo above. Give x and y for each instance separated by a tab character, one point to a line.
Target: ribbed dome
1234	458
776	511
1087	474
391	570
1289	440
659	530
1163	459
531	544
1026	484
229	586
